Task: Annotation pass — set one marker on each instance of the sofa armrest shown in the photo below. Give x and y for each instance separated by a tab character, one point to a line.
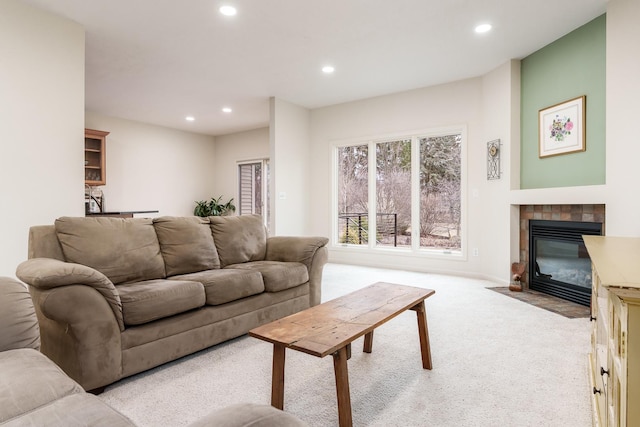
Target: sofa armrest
294	248
47	273
79	333
18	322
310	251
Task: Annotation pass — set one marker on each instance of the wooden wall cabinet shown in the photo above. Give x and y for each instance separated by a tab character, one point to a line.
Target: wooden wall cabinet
615	340
95	142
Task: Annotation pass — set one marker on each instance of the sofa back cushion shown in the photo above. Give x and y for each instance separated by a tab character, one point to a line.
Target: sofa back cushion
239	238
123	249
186	244
44	243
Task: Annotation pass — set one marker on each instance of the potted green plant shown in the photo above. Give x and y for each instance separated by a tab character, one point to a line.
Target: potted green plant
214	207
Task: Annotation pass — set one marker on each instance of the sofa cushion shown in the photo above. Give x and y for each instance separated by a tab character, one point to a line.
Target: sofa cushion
122	249
18	322
46	382
76	410
223	286
150	300
277	275
239	238
186	244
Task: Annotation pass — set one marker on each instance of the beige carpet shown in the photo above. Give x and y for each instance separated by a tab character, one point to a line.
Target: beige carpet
497	362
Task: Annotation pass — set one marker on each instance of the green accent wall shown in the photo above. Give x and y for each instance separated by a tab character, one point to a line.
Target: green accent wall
572	66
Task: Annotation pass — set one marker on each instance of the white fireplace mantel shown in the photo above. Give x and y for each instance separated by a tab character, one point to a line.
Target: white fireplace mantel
582	195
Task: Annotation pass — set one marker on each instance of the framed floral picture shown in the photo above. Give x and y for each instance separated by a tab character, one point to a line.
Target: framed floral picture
561	128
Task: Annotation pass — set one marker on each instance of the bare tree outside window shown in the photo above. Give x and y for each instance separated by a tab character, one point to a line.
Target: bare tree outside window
353	195
439	200
393	193
440	208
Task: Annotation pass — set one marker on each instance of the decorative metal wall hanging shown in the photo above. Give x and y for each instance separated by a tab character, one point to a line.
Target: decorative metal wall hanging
493	159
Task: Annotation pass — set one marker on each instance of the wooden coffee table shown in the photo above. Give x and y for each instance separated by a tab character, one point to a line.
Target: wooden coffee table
330	328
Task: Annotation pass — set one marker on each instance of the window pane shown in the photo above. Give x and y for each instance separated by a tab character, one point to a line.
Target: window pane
247	189
250	188
440	192
353	195
393	193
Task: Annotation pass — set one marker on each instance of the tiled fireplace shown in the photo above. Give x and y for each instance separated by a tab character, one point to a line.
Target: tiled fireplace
555	214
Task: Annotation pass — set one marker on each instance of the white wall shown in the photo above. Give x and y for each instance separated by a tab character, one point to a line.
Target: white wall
458	103
41	124
231	149
619	194
494	221
623	110
290	178
155	168
148	167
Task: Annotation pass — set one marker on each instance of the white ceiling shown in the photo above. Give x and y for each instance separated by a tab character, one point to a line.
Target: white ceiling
157	61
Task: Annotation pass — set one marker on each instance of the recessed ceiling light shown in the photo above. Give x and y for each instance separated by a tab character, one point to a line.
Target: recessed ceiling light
189	118
226	110
483	28
228	10
328	69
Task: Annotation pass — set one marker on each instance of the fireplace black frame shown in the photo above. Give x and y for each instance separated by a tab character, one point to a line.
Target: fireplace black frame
566	231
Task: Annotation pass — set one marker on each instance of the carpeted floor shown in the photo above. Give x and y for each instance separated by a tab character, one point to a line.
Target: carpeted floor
496	362
548	302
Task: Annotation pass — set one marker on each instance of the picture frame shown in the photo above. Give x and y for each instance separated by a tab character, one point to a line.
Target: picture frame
561	128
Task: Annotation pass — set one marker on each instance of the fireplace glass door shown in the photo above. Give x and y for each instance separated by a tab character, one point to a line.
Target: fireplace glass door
559	262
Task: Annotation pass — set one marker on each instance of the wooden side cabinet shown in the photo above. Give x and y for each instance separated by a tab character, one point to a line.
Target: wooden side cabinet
95	142
615	340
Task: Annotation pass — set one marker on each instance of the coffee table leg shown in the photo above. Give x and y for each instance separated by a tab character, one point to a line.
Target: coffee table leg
342	387
425	348
277	381
368	342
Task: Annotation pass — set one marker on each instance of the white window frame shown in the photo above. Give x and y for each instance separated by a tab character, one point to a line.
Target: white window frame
415	249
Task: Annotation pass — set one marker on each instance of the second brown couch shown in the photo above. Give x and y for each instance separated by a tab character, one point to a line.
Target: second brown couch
36	392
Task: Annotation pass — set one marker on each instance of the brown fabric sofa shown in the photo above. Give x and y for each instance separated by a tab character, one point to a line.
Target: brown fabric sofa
34	391
115	297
